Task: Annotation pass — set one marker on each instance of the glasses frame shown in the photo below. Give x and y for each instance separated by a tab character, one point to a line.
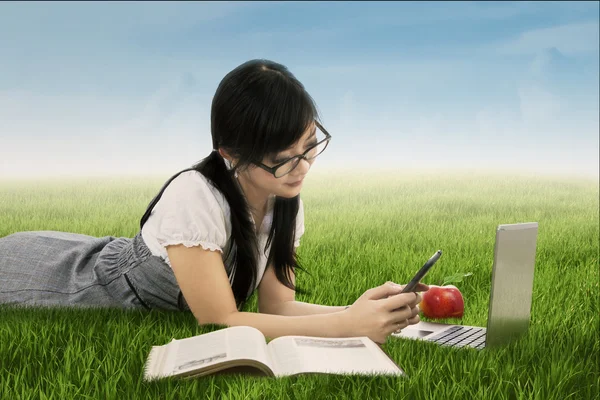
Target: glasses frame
299	156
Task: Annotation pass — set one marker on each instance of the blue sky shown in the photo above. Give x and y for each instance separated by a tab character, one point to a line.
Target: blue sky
125	87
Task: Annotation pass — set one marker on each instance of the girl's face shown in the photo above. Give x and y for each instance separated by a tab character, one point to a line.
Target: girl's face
289	185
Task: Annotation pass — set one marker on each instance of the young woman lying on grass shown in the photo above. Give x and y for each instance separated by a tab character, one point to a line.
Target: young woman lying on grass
216	232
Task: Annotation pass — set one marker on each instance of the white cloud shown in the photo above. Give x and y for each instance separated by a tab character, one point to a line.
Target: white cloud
569	39
492	138
538	107
87	135
536	134
112	18
396	14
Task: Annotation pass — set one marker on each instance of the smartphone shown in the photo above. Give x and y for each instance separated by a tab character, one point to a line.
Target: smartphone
422	272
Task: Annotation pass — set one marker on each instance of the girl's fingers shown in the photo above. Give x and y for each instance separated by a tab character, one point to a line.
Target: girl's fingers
398	326
421	287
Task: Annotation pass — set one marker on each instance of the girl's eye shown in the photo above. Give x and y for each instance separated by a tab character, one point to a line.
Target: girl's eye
276	161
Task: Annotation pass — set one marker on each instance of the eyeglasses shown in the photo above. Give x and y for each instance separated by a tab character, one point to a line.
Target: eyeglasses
285	167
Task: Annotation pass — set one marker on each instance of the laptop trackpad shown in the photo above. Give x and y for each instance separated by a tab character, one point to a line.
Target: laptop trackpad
416	333
422	330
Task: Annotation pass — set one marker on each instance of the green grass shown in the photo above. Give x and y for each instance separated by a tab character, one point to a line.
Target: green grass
361	230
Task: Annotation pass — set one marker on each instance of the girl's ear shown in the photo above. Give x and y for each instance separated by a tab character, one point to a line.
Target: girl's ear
223	153
229	161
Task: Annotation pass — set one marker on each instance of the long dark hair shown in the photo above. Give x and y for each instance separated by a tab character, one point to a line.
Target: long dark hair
259	109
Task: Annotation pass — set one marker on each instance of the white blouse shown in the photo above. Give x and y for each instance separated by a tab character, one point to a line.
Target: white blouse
192	212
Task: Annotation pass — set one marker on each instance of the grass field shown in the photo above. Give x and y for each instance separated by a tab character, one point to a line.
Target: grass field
361	230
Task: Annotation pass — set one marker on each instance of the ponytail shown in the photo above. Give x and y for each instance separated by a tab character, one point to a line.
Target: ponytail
244	249
283	256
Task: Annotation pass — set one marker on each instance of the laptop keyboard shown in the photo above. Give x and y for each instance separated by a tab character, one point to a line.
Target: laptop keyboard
461	336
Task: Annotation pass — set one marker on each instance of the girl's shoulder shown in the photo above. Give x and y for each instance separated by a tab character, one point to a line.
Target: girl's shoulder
193	176
193	185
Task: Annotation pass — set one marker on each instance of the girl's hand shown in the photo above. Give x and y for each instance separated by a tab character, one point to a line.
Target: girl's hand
381	311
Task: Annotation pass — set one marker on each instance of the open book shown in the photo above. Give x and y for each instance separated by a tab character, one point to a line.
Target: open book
243	349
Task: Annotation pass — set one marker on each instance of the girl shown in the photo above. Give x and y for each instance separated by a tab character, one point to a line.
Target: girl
215	232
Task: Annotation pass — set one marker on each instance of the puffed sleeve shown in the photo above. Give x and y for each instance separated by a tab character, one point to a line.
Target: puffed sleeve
190	213
299	224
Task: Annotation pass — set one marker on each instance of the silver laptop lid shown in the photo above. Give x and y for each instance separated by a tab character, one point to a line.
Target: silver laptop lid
512	282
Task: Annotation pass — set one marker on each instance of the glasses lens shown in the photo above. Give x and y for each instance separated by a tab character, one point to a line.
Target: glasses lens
322	144
311	154
315	151
287	167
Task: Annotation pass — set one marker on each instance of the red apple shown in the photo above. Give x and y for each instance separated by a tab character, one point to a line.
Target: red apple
441	302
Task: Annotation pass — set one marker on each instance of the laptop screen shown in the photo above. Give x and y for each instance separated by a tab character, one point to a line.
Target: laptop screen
512	282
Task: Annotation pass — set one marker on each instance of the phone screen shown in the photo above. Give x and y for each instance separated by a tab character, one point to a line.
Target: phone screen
422	272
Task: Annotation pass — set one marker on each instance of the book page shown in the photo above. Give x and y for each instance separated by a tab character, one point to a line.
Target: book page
297	354
212	348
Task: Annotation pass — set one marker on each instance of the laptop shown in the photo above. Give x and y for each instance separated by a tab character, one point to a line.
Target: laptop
510	296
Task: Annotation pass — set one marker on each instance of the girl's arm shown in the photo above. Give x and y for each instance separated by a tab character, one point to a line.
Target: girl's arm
275	298
202	278
294	307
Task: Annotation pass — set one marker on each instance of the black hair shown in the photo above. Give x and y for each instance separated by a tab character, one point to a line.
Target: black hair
258	110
